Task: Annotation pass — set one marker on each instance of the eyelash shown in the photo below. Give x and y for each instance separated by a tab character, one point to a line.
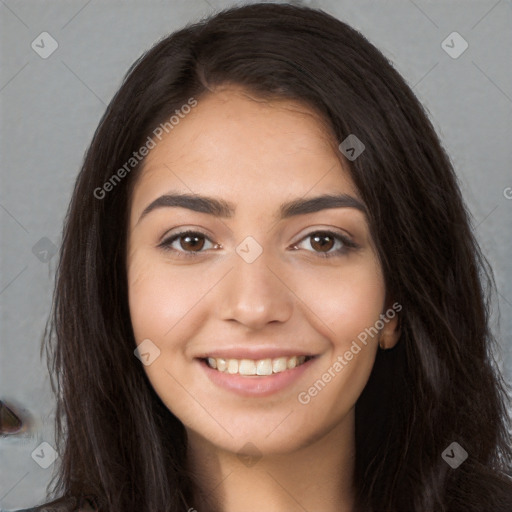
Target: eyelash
348	244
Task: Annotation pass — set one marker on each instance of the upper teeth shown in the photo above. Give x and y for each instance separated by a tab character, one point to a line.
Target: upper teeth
255	367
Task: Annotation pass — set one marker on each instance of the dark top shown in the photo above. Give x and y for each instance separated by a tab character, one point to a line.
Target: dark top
64	505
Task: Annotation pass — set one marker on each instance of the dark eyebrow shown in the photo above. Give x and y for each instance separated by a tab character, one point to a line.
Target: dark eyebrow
316	204
224	209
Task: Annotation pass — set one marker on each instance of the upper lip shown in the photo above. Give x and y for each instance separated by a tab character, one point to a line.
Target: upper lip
254	353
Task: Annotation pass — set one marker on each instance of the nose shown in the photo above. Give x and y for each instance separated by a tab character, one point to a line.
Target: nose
255	294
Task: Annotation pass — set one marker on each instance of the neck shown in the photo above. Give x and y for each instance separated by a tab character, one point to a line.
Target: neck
317	476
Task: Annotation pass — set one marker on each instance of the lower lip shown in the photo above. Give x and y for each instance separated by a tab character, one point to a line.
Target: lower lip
253	385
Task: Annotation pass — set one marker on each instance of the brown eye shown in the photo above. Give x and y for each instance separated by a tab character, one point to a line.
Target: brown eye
328	243
322	243
187	243
191	242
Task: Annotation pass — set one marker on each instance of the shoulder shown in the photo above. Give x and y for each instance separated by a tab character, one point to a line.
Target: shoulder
45	508
40	508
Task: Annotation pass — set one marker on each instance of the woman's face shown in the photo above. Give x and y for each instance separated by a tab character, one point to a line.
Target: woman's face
269	278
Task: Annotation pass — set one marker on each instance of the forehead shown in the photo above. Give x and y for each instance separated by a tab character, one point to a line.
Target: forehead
235	144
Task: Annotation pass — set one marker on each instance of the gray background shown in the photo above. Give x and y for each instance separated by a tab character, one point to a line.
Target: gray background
51	107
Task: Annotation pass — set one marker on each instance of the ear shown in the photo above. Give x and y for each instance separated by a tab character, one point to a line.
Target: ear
390	333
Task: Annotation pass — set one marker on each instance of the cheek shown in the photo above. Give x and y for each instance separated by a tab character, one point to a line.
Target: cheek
158	296
147	300
345	301
351	303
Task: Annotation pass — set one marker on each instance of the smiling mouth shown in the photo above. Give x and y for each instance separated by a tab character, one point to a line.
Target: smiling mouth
259	367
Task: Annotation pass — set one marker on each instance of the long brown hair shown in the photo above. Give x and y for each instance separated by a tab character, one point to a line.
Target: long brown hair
440	384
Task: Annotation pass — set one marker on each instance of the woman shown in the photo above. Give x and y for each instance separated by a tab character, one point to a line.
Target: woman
269	296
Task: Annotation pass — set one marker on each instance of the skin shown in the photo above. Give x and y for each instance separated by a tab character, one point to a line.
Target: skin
257	155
